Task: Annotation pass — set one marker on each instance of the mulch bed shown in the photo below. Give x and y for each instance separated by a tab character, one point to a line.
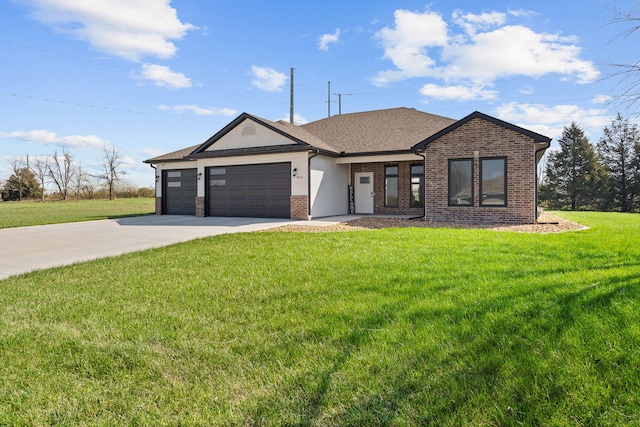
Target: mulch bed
547	223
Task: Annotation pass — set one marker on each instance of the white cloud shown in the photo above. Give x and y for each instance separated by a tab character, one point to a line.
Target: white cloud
268	79
527	90
162	76
522	13
472	23
151	152
198	111
405	45
124	28
422	45
45	137
516	51
129	161
458	92
326	39
550	121
601	99
297	119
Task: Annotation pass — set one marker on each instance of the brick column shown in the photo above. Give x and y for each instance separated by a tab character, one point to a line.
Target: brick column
200	207
299	207
158	205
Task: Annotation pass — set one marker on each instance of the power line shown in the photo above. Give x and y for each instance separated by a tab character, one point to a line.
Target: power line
108	108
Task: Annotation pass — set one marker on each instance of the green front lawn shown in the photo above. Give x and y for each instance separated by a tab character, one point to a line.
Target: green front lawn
21	214
442	327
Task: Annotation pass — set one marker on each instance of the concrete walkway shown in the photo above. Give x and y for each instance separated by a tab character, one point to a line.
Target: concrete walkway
25	249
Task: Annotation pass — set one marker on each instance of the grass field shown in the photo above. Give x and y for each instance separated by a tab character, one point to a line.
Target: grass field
21	214
445	327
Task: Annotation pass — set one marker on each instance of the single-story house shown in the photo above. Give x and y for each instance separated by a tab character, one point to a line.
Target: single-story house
397	161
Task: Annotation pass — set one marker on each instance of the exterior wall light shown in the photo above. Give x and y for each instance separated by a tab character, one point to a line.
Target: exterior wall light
295	171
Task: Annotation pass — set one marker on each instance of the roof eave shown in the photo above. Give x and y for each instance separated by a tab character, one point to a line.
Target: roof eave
247	152
377	153
156	161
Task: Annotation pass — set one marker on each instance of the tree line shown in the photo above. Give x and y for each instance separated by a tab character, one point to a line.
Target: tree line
30	178
603	176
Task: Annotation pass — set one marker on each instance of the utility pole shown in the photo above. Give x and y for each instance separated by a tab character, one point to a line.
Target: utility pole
329	99
291	100
339	95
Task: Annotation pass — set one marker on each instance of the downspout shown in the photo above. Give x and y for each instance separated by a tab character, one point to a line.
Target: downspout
535	165
424	177
317	153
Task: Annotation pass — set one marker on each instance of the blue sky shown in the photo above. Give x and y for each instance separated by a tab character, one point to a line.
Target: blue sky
154	76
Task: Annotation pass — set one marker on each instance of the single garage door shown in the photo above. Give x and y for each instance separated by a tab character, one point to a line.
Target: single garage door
180	189
261	191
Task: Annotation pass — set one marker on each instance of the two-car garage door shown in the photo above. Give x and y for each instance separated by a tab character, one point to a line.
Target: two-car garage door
243	190
261	190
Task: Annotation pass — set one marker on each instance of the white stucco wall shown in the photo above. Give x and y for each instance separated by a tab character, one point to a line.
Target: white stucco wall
263	137
329	181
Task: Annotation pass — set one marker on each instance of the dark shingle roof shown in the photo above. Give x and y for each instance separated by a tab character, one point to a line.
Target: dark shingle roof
391	130
303	135
396	129
173	156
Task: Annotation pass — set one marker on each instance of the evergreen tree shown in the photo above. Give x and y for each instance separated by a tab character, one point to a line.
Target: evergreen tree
574	176
21	185
619	149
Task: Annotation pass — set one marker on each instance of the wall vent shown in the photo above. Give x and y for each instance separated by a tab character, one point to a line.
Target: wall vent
248	130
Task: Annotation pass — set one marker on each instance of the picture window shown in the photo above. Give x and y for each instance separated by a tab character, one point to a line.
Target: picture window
461	182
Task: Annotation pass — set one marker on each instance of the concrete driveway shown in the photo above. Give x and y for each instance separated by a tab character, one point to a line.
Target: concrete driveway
25	249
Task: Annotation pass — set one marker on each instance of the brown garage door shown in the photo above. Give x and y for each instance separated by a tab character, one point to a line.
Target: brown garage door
179	193
261	191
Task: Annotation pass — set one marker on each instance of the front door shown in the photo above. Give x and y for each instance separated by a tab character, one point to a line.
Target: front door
364	192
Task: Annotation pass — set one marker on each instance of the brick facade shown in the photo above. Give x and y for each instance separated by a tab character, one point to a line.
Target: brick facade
159	206
479	139
200	207
404	187
476	139
299	207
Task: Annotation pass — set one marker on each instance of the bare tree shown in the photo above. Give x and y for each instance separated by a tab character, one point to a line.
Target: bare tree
88	187
77	181
82	185
41	171
628	74
111	162
17	164
61	171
